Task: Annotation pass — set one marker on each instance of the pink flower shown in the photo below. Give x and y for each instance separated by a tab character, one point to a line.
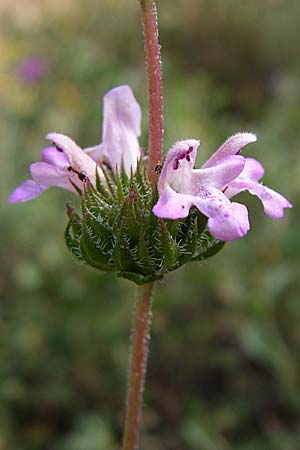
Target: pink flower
122	118
32	69
65	164
209	189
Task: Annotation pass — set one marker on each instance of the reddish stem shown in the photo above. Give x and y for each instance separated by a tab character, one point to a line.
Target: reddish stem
138	366
155	97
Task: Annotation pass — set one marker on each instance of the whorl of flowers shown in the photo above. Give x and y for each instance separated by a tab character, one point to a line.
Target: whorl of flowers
132	228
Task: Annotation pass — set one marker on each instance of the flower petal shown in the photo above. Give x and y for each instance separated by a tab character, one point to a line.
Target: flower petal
77	158
28	190
234	227
253	170
218	175
48	175
232	146
177	169
226	221
273	202
172	205
96	153
121	128
55	157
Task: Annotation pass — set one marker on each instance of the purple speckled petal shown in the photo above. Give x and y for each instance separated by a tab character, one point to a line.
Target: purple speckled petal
232	146
172	205
273	202
225	174
27	191
181	149
53	156
235	226
226	221
47	175
178	166
121	128
219	175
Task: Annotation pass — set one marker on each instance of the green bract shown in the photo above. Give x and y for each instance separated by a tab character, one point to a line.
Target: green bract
118	232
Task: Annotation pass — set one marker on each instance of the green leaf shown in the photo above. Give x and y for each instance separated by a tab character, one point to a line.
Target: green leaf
138	278
93	253
123	256
101	188
111	186
213	249
143	256
169	247
209	247
73	232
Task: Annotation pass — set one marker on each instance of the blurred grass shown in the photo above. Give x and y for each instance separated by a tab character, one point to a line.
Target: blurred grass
224	363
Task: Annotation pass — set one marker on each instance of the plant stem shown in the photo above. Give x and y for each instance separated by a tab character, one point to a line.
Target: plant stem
142	314
138	364
154	75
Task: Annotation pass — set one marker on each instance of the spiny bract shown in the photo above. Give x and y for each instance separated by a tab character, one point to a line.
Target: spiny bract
118	232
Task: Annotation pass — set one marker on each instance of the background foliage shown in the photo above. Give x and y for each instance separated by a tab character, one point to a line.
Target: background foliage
224	364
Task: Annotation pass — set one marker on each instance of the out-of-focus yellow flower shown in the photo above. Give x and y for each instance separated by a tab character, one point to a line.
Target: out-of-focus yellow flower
13	97
67	96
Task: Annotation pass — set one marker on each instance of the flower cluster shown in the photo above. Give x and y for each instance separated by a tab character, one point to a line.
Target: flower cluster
130	227
66	165
209	189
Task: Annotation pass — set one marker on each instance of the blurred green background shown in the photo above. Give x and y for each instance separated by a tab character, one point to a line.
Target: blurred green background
224	367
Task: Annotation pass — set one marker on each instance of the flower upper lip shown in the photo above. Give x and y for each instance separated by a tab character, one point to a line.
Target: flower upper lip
121	129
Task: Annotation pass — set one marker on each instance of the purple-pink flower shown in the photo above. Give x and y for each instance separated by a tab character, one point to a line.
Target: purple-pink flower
180	186
210	188
66	165
32	69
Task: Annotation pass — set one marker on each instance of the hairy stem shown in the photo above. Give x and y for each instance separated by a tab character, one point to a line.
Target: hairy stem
155	97
138	364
